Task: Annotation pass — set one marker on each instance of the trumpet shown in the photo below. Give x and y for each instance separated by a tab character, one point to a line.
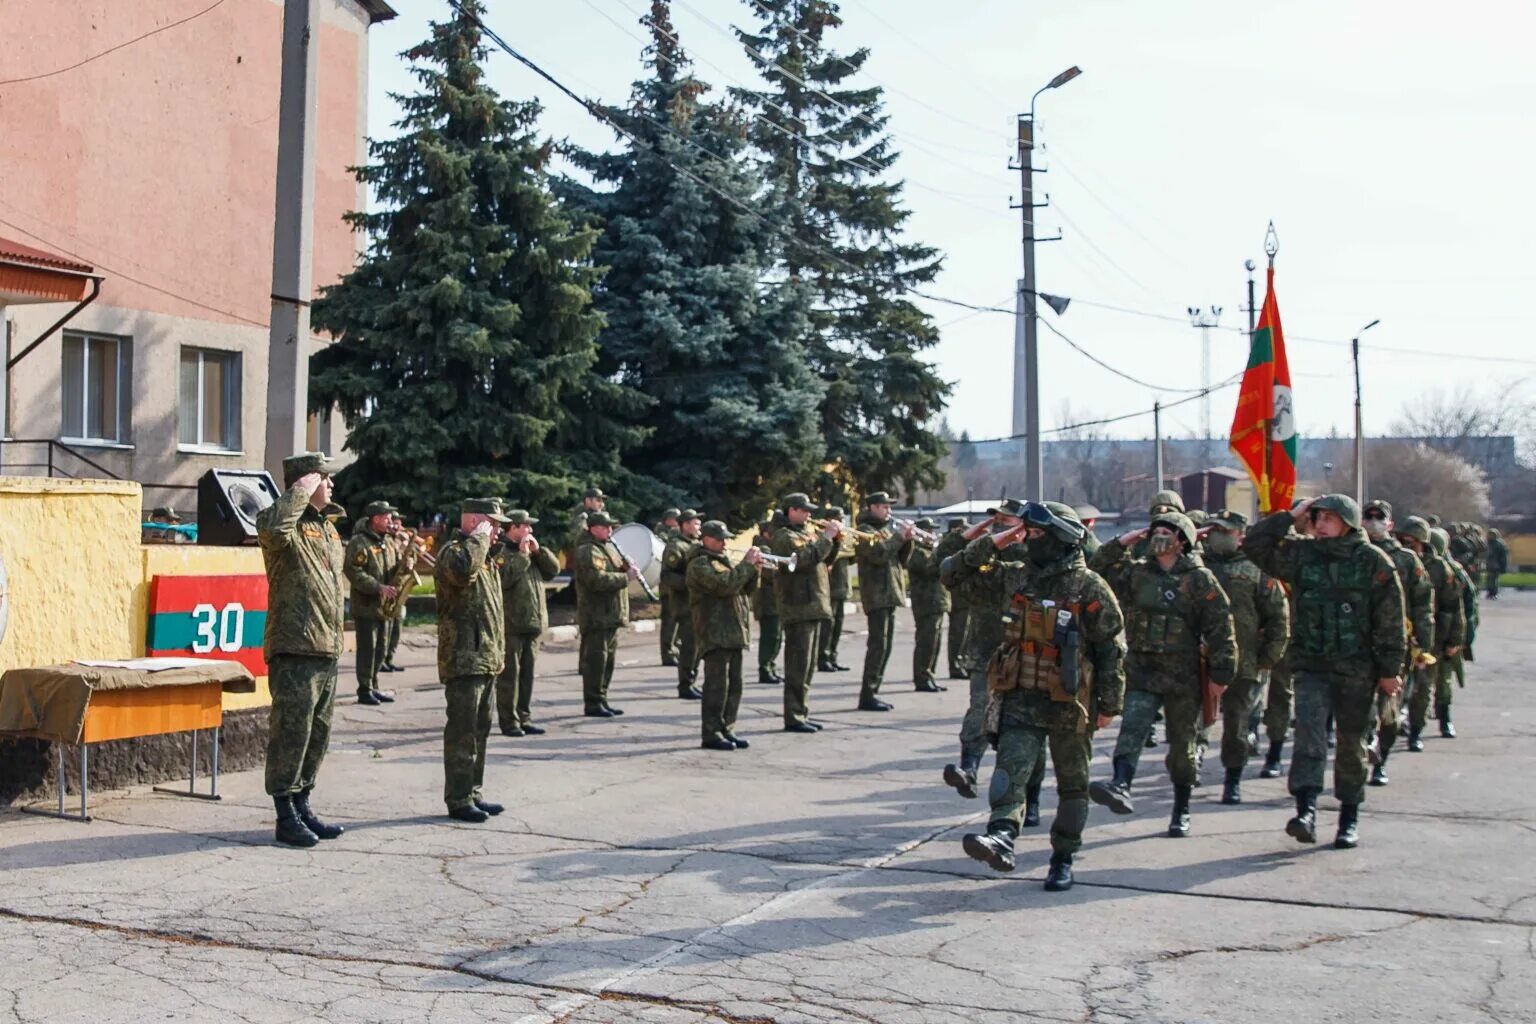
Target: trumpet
784	562
919	534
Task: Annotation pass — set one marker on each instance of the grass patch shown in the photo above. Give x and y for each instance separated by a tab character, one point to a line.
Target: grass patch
426	587
1518	579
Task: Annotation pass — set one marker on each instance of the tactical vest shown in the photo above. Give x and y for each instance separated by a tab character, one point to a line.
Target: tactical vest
1332	608
1157	620
1042	649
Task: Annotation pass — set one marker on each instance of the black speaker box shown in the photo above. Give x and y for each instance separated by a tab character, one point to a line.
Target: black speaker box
228	501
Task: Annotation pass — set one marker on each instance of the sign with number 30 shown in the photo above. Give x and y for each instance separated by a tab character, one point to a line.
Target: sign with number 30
218	628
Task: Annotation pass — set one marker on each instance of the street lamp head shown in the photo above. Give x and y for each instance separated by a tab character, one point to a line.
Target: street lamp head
1368	326
1065	77
1250	266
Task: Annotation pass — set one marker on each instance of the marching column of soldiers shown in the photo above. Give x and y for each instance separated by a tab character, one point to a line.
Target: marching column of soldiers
1338	623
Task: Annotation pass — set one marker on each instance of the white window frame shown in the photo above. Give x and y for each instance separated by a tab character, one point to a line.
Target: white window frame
202	446
124	429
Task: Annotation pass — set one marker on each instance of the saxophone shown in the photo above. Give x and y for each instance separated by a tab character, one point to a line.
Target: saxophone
405	577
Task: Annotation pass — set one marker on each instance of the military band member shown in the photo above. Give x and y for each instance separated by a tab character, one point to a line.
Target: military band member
303	557
930	603
765	608
671	612
718	597
674	582
594	500
953	542
602	609
805	603
882	551
839	579
524	565
372	556
404	540
471	652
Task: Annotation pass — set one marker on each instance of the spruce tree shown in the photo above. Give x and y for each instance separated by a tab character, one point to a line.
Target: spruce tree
466	334
692	322
828	156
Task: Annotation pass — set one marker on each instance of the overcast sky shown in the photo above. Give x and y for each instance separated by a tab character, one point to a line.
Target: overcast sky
1389	140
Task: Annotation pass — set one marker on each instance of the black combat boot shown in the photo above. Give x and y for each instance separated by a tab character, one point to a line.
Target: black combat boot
1059	877
469	813
1271	769
1031	806
383	698
995	848
963	776
1379	775
1415	740
1349	831
1303	827
689	693
1447	730
1178	822
314	824
489	807
1116	795
290	830
1232	789
368	697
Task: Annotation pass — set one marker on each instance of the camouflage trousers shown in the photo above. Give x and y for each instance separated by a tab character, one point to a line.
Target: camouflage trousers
1020	771
1432	681
801	644
514	687
1236	708
599	648
1350	699
687	655
464	736
770	641
1277	704
392	640
973	727
670	621
722	692
925	656
959	618
1382	731
832	632
877	652
372	646
1181	712
303	694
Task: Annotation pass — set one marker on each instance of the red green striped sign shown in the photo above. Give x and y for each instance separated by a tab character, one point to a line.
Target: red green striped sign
221	618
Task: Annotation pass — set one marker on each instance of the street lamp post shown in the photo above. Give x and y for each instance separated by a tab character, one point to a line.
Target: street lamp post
1354	348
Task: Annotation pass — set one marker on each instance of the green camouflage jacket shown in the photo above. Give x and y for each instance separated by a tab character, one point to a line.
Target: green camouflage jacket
984	578
602	585
1261	614
840	572
522	587
1349	616
471	627
674	564
951	543
718	595
882	581
303	556
1450	614
1498	556
370	562
1469	615
805	595
765	603
1170	616
1418	593
929	595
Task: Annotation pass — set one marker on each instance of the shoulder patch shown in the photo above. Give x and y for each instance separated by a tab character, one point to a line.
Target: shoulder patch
361	558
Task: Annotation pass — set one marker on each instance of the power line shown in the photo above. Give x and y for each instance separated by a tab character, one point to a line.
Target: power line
112	49
1162	406
1118	373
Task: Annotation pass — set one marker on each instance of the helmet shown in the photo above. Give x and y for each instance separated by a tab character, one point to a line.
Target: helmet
1494	534
1379	505
1414	528
1341	505
1056	519
1198	516
1439	541
1179	523
1169	500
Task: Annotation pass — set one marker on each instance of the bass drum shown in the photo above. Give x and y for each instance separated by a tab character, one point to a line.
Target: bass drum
643	548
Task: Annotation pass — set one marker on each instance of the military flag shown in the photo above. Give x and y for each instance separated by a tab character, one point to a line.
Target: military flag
1264	426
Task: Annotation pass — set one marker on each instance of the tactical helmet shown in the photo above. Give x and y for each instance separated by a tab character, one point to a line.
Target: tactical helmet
1414	528
1341	505
1179	523
1378	505
1167	501
1494	534
1058	520
1439	541
1198	516
1434	522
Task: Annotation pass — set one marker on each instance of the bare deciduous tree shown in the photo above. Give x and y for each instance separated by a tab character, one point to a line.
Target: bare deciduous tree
1421	480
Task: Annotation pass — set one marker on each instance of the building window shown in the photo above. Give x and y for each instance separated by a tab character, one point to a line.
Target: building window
97	377
210	399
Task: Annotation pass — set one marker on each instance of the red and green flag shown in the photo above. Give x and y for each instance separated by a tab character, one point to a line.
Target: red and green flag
1264	426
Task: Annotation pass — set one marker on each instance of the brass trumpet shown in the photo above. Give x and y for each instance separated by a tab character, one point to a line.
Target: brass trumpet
784	562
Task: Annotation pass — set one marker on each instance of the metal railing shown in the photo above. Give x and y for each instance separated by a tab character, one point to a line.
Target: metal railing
59	458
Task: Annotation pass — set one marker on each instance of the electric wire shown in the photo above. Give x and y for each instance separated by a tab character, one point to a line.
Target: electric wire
111	49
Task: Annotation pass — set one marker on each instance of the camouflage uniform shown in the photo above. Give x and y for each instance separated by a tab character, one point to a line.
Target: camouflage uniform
674	586
393	626
1450	626
471	652
1455	663
718	597
672	613
930	602
1348	632
765	608
1261	622
1497	564
805	607
952	543
1419	602
602	609
1170	616
882	589
303	557
527	617
371	559
840	584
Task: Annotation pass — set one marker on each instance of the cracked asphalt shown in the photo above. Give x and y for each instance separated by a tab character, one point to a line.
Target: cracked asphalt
636	877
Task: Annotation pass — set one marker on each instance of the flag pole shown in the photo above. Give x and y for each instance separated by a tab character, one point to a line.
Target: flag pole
1271	247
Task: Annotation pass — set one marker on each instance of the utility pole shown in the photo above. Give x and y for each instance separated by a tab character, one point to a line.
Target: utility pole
1026	354
1157	444
293	236
1354	349
1205	319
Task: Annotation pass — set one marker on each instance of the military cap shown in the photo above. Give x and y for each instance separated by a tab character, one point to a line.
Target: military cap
925	523
799	499
595	492
671	513
601	519
379	508
1341	505
165	512
1379	505
489	507
830	512
956	523
878	498
687	514
1167	500
1178	522
1414	527
716	529
1087	511
1227	519
302	464
520	517
1008	507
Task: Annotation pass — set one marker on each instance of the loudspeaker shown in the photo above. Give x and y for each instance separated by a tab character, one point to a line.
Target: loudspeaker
228	501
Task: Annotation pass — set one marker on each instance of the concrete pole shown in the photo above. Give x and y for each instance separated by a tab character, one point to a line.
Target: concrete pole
1026	353
1157	444
293	236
